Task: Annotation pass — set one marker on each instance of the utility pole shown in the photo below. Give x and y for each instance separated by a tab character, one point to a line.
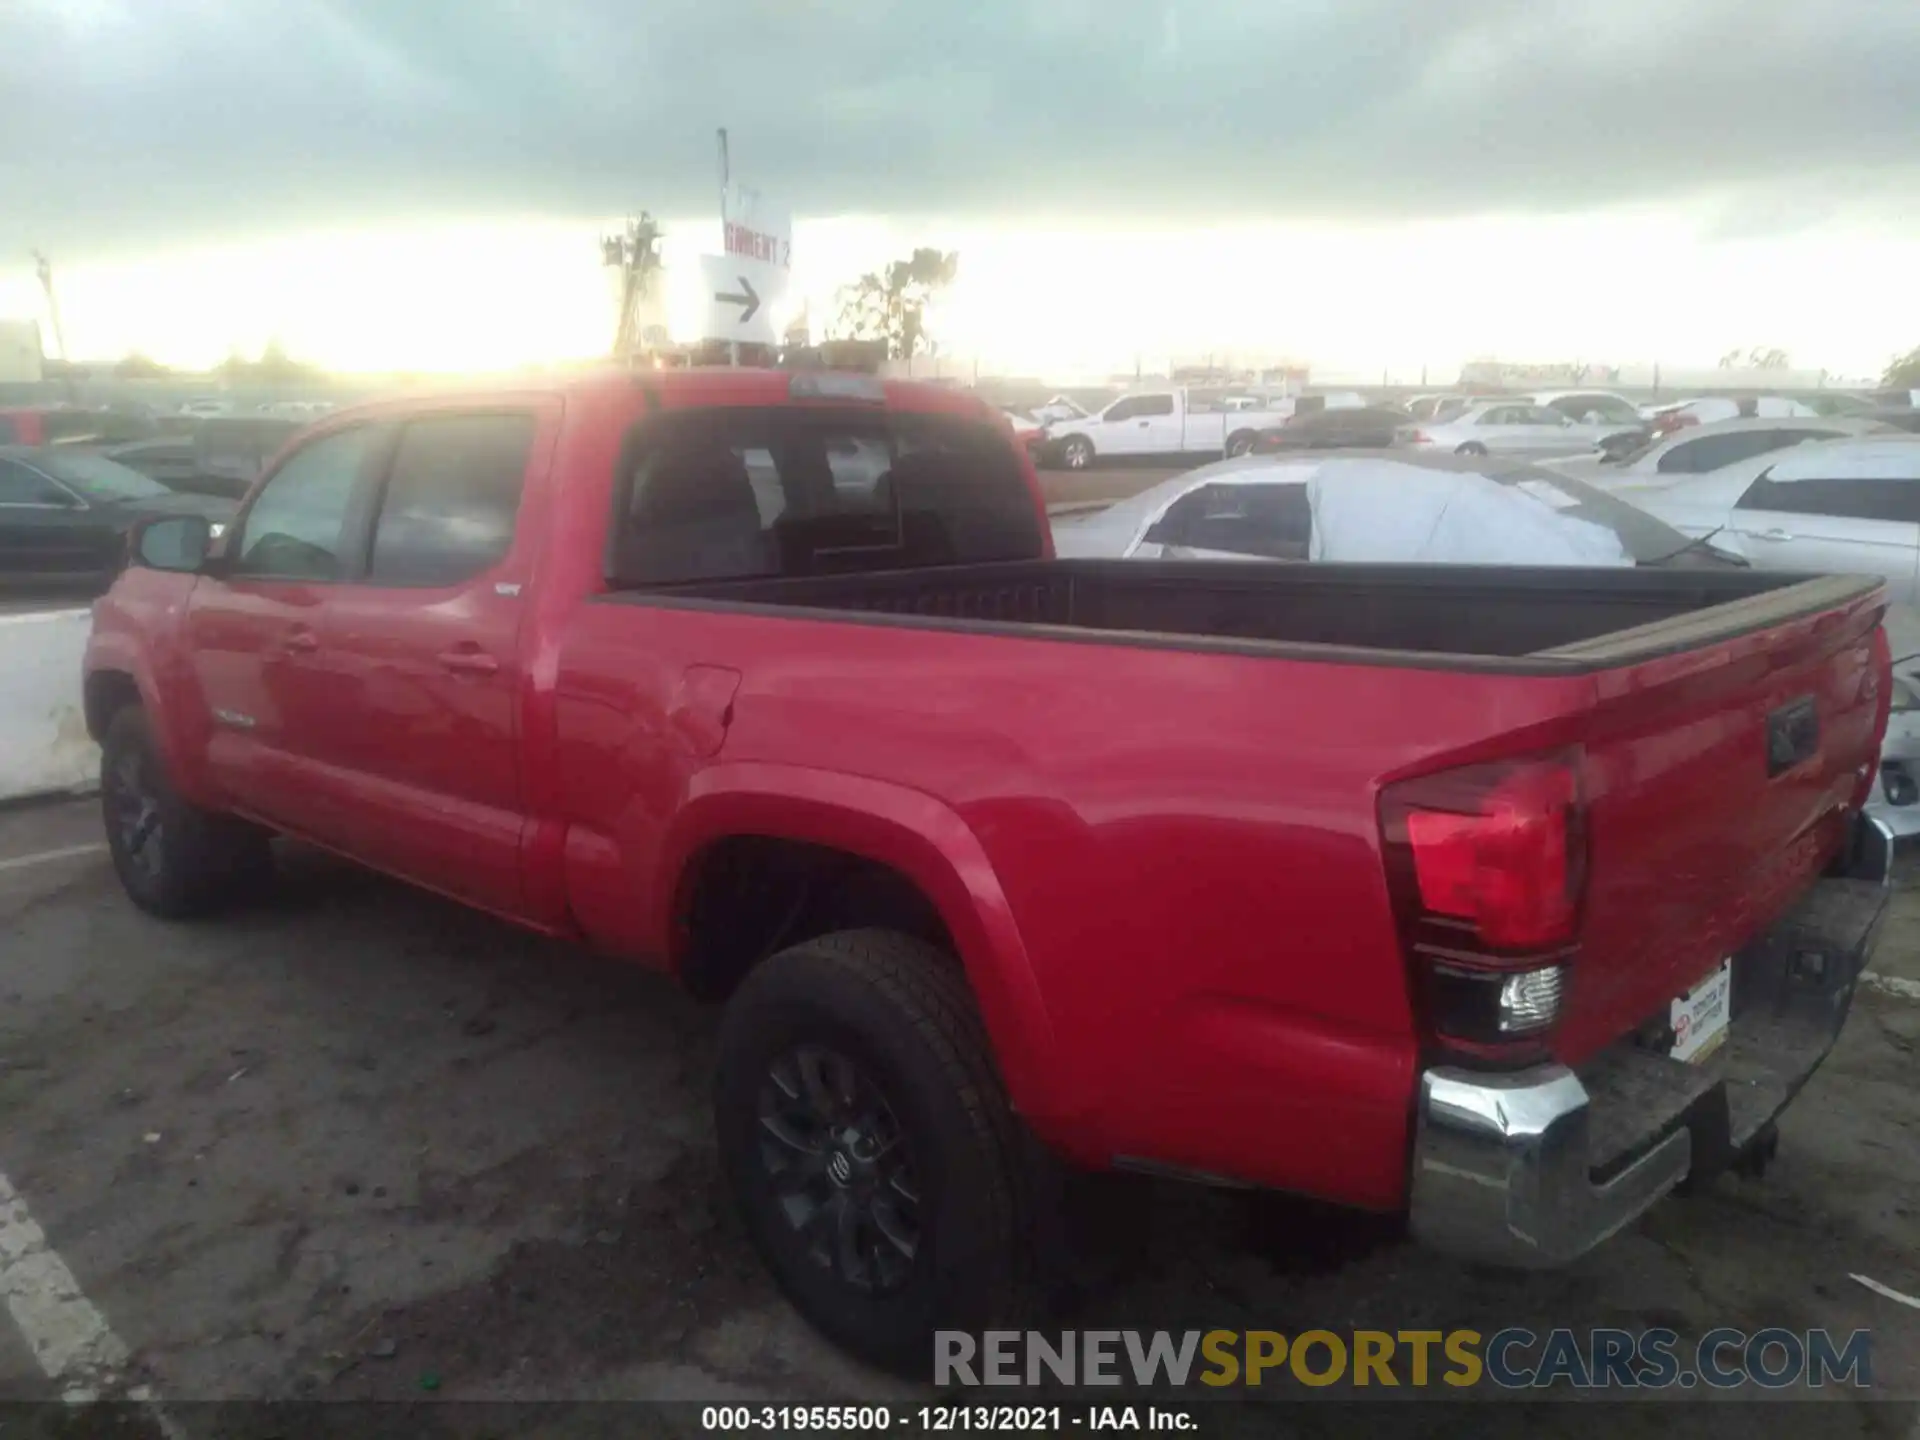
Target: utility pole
635	253
43	268
726	180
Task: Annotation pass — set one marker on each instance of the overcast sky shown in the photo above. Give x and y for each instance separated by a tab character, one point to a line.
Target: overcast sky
137	125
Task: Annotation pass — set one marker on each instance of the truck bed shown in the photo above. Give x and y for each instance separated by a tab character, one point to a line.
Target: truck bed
1508	618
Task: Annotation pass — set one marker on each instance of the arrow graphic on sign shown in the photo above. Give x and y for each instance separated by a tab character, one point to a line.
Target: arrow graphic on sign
748	300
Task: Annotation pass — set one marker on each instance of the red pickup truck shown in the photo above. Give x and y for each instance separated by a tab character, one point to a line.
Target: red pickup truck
1506	899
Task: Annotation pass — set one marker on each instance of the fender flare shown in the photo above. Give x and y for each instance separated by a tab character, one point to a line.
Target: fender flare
912	832
120	654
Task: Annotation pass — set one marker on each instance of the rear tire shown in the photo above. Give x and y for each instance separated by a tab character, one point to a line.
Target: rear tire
854	1071
174	859
1240	443
1472	447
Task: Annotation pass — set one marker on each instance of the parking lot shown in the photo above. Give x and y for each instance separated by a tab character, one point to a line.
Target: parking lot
357	1143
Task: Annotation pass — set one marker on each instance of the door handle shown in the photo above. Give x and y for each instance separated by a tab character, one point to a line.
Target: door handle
1775	534
300	640
469	662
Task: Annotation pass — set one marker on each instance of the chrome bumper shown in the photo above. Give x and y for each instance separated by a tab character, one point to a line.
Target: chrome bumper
1533	1168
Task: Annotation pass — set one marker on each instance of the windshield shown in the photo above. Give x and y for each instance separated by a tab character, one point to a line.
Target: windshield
99	478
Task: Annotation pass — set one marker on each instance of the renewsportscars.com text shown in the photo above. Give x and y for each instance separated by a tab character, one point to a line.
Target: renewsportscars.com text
1509	1359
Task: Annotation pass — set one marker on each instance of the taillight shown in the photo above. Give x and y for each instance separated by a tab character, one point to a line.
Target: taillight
1487	865
1418	437
1882	663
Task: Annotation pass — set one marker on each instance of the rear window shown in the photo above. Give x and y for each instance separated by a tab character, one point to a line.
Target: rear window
760	494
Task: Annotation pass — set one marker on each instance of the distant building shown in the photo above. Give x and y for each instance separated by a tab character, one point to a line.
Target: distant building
22	361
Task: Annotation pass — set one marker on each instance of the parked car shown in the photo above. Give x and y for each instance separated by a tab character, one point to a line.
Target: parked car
1509	427
1028	433
65	514
1590	407
1897	417
1502	512
203	406
1663	420
1896	799
1697	450
1709	408
1845	506
1833	506
927	807
168	459
1061	407
1839	402
222	456
230	452
1172	423
1423	407
1366	427
35	425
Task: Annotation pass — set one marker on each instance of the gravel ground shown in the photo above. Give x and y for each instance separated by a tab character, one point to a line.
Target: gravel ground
358	1144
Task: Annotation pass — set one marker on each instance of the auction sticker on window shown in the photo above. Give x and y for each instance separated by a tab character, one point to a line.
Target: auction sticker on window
1700	1015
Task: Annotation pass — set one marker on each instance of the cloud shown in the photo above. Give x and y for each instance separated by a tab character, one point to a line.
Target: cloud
131	124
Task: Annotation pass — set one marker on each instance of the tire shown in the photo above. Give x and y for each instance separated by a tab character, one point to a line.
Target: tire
1240	443
1472	447
1076	452
885	1018
174	859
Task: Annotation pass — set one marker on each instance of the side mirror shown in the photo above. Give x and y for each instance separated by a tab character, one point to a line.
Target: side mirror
172	542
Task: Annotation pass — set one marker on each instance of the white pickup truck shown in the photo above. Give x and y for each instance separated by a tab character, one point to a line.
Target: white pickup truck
1175	422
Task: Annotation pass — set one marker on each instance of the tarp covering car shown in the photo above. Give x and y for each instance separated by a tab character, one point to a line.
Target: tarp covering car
1382	510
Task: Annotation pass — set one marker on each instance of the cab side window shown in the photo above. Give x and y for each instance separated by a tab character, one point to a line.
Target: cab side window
296	527
452	497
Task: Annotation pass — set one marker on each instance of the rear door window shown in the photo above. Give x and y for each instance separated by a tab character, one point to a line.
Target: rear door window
765	493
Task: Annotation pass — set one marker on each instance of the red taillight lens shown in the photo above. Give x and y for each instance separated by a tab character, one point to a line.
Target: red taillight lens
1487	868
1506	866
1417	437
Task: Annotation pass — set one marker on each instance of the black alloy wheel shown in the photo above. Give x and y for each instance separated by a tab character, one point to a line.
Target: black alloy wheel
840	1168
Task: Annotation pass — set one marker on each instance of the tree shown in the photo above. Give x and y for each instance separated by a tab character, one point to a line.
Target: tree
1755	359
891	305
135	366
1903	373
274	367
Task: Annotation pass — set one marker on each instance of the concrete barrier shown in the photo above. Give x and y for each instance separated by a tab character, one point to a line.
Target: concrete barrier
44	749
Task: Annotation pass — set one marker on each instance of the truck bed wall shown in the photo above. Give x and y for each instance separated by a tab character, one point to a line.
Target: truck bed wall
1499	612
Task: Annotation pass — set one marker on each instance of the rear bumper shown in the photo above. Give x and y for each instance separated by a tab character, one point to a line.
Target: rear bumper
1536	1167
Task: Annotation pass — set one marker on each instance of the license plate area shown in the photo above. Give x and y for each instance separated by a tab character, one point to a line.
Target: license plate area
1698	1019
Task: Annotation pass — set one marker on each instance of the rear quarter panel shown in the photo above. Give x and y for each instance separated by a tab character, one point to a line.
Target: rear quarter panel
1184	846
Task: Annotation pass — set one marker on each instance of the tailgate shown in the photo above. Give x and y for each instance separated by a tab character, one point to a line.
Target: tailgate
1717	783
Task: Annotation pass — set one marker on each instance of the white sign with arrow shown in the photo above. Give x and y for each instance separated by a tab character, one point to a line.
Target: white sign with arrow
740	294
